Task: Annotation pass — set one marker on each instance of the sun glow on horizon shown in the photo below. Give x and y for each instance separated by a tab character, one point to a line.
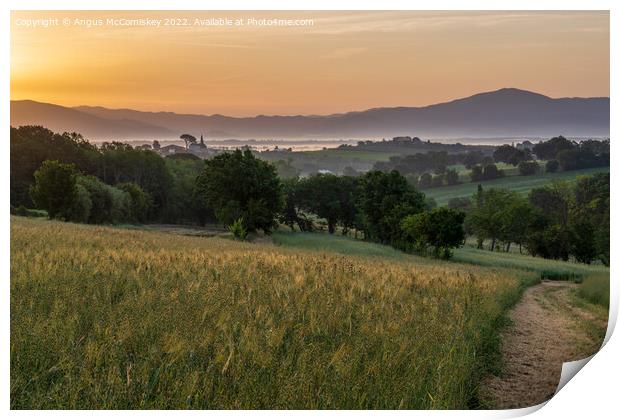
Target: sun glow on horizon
344	61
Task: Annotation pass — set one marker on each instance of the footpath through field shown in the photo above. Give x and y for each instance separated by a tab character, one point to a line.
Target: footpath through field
548	328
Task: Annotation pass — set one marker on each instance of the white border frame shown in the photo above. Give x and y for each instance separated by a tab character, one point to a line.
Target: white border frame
594	391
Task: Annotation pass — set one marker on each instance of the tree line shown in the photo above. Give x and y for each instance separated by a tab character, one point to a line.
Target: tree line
431	169
114	183
558	221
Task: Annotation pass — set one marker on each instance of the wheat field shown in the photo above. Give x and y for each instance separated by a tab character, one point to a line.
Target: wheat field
112	318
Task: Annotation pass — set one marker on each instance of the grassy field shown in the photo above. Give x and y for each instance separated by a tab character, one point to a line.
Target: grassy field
361	155
521	184
341	244
594	279
508	169
595	289
117	318
545	269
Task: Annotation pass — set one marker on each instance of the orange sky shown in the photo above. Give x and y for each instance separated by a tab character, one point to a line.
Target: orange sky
345	61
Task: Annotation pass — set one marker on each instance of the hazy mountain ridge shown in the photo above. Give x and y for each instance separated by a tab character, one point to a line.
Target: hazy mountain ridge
505	112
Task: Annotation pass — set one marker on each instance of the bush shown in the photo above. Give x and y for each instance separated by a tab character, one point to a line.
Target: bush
491	172
121	205
425	180
108	204
452	177
552	166
80	209
461	203
476	173
528	167
511	155
437	181
238	229
21	210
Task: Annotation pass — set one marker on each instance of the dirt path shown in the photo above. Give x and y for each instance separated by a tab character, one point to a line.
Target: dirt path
549	327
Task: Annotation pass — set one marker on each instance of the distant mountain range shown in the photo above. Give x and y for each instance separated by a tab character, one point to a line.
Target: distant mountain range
503	113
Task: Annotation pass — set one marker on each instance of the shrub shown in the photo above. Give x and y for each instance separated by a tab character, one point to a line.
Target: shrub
595	289
108	204
101	200
452	177
238	229
461	203
80	209
437	181
121	205
490	171
425	180
476	173
21	210
528	167
552	166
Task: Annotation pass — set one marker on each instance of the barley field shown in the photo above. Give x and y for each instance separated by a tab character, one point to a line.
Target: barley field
114	318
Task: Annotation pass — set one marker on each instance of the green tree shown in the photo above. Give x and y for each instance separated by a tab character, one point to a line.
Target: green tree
490	171
54	189
292	213
237	184
32	145
492	215
80	208
552	166
330	197
511	155
550	234
122	163
384	200
452	177
286	169
425	180
108	204
590	218
188	139
140	201
440	229
437	181
476	173
549	149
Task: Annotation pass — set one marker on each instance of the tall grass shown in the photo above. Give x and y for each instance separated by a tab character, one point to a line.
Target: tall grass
338	243
116	318
595	289
546	269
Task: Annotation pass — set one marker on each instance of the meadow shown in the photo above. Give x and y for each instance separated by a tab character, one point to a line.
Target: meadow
595	289
520	184
543	268
361	155
593	279
103	317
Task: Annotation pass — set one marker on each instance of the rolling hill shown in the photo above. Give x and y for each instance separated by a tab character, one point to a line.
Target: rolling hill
502	113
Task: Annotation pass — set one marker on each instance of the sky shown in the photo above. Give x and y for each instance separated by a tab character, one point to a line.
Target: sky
306	63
